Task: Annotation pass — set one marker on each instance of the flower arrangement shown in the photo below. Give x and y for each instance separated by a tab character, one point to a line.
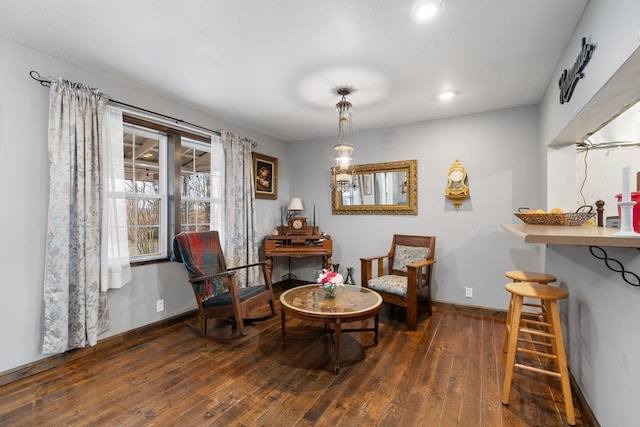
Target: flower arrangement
329	280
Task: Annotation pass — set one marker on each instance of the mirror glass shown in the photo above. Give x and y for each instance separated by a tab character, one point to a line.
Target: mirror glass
376	189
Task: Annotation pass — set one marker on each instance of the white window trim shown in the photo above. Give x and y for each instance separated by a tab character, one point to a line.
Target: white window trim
162	194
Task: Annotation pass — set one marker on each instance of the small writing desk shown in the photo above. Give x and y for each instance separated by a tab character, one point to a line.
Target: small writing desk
298	247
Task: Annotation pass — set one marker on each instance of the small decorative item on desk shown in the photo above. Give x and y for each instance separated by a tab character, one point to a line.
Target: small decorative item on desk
329	280
349	280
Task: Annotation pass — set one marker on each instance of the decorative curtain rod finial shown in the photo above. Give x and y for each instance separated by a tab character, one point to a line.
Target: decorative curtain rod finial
36	76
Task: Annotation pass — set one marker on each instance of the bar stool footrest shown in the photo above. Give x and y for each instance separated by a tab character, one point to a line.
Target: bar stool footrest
538	370
537	332
538	353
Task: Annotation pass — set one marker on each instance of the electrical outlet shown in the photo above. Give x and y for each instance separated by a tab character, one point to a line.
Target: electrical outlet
468	292
160	305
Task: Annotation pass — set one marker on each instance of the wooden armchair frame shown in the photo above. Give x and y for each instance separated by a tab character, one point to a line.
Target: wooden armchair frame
232	303
238	306
418	275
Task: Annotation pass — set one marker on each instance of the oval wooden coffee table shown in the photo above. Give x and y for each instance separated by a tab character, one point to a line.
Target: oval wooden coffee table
351	304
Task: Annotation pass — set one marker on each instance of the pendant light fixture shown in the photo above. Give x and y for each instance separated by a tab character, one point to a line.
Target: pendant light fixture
344	147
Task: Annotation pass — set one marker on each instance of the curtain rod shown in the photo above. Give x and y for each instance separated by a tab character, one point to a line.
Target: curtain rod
47	83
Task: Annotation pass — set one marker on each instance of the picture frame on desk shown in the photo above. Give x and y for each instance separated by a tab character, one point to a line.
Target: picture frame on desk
265	175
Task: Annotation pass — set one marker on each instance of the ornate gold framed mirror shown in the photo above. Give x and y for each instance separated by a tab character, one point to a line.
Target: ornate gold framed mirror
376	189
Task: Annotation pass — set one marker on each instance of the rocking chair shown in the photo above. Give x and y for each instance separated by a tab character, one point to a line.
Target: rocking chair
214	285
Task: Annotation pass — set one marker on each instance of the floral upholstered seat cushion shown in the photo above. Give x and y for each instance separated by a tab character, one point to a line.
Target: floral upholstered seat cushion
392	284
404	255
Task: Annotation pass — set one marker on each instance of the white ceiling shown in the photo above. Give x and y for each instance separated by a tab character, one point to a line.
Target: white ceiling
273	66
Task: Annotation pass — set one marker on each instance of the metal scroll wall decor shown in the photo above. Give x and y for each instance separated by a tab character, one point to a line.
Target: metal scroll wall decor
616	266
569	78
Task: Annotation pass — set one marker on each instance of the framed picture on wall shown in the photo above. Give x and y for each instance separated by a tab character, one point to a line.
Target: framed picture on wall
366	184
265	175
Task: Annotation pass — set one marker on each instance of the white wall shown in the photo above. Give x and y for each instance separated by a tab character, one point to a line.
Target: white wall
24	174
601	317
600	325
500	153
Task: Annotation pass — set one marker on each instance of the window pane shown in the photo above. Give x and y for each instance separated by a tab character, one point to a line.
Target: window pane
195	214
142	163
145	187
148	240
197	185
195	173
144	218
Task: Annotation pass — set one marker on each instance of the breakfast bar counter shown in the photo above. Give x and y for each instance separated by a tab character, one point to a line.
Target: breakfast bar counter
581	235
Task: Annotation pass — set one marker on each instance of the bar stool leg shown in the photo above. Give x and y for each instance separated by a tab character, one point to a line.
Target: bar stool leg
562	361
511	348
507	325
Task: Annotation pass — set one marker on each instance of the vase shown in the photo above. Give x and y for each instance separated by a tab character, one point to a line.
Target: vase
349	280
336	267
329	290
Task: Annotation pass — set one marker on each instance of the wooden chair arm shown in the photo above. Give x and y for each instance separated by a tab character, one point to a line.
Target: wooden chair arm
228	272
367	271
415	279
421	263
379	257
211	276
247	266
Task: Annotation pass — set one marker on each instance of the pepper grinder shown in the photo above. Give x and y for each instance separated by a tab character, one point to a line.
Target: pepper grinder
600	210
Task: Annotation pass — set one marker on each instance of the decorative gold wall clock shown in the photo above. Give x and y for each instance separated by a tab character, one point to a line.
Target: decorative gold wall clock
456	189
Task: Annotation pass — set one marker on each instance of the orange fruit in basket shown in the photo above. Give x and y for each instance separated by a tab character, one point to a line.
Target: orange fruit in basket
556	211
530	211
539	211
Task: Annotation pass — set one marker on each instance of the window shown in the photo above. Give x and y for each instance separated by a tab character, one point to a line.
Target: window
145	174
173	183
200	186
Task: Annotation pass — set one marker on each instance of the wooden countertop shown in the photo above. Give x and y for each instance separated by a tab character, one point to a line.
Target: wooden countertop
582	235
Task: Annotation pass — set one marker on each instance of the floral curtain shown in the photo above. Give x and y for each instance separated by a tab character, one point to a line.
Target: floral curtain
241	245
74	308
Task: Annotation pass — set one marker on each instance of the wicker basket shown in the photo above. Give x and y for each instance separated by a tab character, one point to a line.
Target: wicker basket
576	218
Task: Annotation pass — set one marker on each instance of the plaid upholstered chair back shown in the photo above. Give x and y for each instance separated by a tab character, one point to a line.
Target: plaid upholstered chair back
201	254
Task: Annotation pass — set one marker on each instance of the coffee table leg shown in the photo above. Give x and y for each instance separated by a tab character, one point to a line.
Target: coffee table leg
377	322
282	327
336	367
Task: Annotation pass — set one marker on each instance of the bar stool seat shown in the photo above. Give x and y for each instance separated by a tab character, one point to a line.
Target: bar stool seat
550	329
530	276
525	276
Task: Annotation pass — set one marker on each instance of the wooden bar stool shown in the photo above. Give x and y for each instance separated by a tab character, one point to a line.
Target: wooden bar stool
550	329
525	276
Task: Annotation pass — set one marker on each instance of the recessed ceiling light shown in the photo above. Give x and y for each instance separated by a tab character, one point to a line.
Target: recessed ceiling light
425	10
446	95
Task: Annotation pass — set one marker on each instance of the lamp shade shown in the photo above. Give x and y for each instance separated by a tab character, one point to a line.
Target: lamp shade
295	204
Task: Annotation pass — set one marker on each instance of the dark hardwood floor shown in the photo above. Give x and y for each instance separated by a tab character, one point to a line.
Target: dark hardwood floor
448	373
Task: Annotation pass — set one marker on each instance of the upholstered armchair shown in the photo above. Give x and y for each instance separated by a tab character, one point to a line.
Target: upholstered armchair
403	276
